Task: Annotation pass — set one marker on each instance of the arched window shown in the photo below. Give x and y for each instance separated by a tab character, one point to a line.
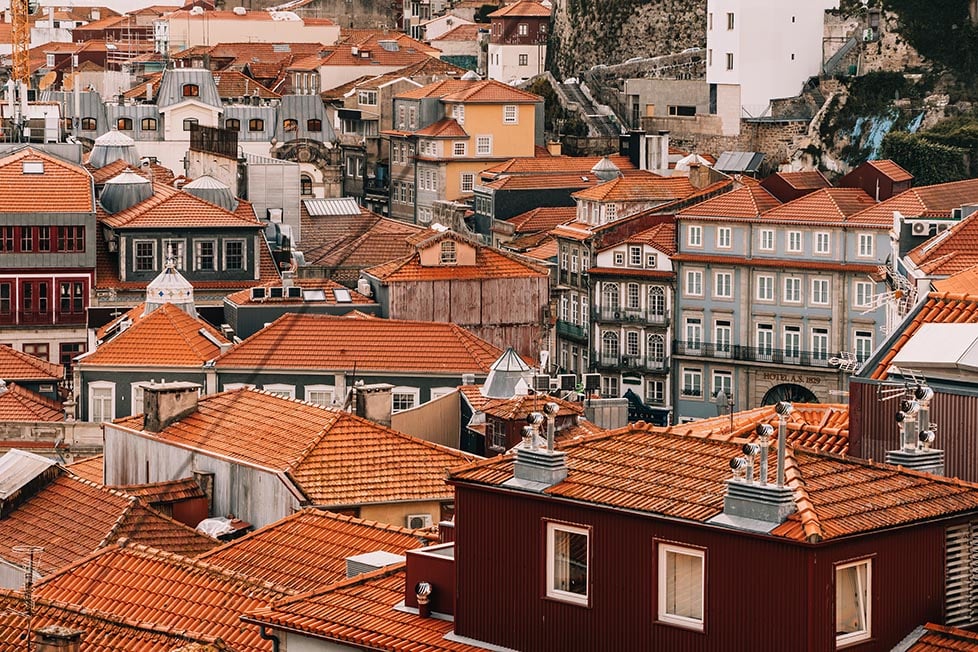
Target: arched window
233	124
256	124
305	182
609	344
148	124
89	124
610	296
449	254
656	348
124	124
191	90
657	301
290	124
314	124
189	124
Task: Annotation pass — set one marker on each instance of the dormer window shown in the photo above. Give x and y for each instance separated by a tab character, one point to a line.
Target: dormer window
290	124
191	90
449	252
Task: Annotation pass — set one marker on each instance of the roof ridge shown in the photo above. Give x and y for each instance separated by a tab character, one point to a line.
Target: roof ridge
806	509
33	361
349	581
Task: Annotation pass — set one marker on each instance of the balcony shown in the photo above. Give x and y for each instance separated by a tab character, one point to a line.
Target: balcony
631	315
633	363
571	331
792	357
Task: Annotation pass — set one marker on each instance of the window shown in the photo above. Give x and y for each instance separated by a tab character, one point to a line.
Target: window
635	256
290	124
568	555
650	261
864	345
71	297
124	124
820	344
449	253
190	123
37	349
632	296
656	348
820	291
511	114
305	185
792	341
89	124
681	585
692	382
174	249
256	124
631	343
191	90
694	283
723	285
792	289
26	238
233	124
368	98
609	345
71	239
767	240
721	336
682	110
694	332
314	124
136	392
655	392
794	241
619	259
853	590
610	296
483	145
149	124
722	382
765	340
467	181
458	148
865	245
723	237
6	307
205	255
730	20
7	239
863	295
145	256
657	301
101	401
35	297
69	350
609	387
354	167
524	60
49	61
404	398
765	288
234	254
729	60
280	389
522	29
574	262
694	236
458	112
822	245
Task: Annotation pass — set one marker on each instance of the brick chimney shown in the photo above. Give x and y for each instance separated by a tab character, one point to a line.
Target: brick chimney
57	639
166	403
373	402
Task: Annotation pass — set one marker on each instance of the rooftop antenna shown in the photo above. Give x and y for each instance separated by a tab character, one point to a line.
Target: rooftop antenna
31	556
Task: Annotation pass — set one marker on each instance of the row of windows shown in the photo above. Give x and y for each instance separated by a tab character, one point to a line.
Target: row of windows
655	390
764	340
33	301
723	288
635	258
42	239
402	192
66	350
655	297
821	245
206	255
569	260
655	345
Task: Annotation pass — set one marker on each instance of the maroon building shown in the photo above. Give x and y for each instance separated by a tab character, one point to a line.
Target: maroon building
788	186
880	179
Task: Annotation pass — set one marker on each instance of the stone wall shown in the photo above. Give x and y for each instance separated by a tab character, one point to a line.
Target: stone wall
74	440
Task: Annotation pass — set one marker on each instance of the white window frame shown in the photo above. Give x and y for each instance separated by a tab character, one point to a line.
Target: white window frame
689	286
820	343
724	237
230	387
723	285
404	390
197	255
438	392
766	240
619	258
367	98
694	235
483	145
180	246
866	245
467	181
765	281
511	114
817	296
692	374
793	242
97	385
280	389
244	254
551	559
865	288
458	112
862	339
722	379
310	390
459	148
788	296
823	243
136	256
866	599
634	256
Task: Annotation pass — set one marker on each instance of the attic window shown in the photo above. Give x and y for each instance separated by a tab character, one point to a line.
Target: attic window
290	124
191	90
313	295
342	295
33	167
449	254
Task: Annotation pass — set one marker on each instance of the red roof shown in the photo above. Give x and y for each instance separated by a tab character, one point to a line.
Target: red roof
489	264
172	208
444	128
19	404
354	241
951	252
661	236
826	205
523	8
243	297
32	181
547	164
926	201
542	219
89	468
891	170
472	91
156	172
939	638
17	365
638	188
570	180
804	180
746	202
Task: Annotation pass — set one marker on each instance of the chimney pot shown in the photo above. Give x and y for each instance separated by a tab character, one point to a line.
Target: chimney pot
167	403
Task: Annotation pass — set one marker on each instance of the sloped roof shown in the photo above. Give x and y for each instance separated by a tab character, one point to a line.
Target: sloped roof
156	172
61	187
570	180
17	365
489	264
233	83
523	8
89	468
170	207
747	202
472	91
950	252
518	407
891	170
19	404
926	201
354	241
323	342
465	32
195	596
243	297
963	282
542	219
939	638
166	337
826	205
802	180
316	447
308	550
167	491
637	188
444	128
545	251
685	477
72	518
662	236
547	164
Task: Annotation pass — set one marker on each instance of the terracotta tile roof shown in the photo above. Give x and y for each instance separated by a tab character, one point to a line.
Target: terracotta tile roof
519	407
638	188
964	282
444	128
827	205
528	241
683	477
521	9
475	91
194	596
544	251
804	180
72	518
243	297
940	638
661	236
308	550
926	201
354	241
322	342
359	612
169	207
166	337
489	264
17	365
159	174
170	491
746	202
464	33
950	252
90	468
19	404
547	164
938	309
62	188
543	218
232	83
368	42
891	170
569	180
572	231
315	446
104	632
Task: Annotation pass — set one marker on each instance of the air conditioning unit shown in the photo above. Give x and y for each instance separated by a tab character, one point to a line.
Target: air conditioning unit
920	228
617	314
941	228
363	287
417	521
541	383
567	382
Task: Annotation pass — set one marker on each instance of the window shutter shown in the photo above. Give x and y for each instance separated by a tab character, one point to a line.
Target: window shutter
961	590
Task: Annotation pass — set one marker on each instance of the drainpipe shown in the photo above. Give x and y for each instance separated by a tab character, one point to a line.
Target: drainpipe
269	637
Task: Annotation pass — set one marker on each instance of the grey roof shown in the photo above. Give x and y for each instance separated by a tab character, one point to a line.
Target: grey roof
17	468
739	161
137	113
110	147
211	190
303	108
258	159
124	190
505	376
340	206
244	115
90	106
174	80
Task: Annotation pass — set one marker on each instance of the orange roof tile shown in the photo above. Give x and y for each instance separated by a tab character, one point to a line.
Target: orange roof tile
62	187
19	404
464	33
444	128
359	612
243	297
17	365
891	169
166	337
543	218
72	518
369	51
963	282
804	180
354	241
232	83
156	172
308	550
323	342
474	91
89	468
543	181
523	8
950	252
930	201
572	230
170	207
545	251
315	447
168	491
826	205
638	188
746	202
519	407
661	236
684	477
489	264
940	638
547	164
147	585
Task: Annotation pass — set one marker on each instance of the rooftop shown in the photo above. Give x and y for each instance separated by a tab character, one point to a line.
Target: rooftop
638	188
32	181
749	202
926	201
169	208
523	8
19	404
353	241
17	365
315	291
542	219
490	263
950	252
474	91
828	205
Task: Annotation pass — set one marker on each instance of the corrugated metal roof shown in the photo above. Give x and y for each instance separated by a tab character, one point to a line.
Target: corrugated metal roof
340	206
739	161
17	468
174	80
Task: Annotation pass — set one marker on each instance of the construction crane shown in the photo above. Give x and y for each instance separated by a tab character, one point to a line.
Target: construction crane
20	36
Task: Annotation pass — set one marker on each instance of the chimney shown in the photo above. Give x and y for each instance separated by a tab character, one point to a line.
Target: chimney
167	403
756	504
917	434
538	466
554	147
373	402
54	638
